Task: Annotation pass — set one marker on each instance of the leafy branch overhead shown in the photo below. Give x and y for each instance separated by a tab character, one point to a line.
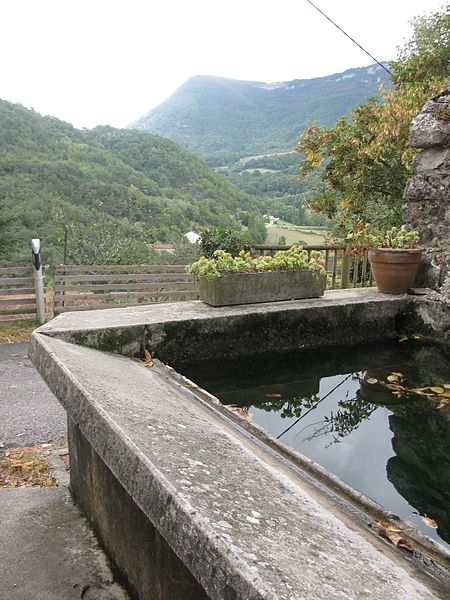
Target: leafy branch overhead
364	160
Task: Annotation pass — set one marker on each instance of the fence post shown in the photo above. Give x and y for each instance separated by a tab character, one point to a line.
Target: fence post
38	280
345	276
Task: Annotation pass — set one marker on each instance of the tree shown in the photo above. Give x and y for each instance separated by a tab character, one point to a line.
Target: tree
257	229
5	220
365	160
104	240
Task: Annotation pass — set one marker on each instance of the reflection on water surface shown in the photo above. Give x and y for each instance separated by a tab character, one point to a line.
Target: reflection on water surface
351	410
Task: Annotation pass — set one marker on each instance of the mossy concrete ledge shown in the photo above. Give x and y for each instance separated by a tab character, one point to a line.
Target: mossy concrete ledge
187	504
193	331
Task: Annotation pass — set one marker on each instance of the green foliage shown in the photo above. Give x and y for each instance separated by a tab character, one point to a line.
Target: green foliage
427	53
222	238
257	229
364	237
111	186
104	239
5	240
294	259
220	118
281	241
364	161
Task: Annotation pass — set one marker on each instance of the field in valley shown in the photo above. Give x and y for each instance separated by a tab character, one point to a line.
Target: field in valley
295	234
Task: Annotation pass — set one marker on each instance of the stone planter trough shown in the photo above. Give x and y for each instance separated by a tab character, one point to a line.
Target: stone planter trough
271	286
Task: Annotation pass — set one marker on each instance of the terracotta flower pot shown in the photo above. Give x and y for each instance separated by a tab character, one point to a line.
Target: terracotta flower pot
394	270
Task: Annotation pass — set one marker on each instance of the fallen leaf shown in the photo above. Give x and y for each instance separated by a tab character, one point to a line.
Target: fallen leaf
272	395
419	391
403	545
371	380
148	361
417	337
240	410
437	390
400	375
403	338
444	402
388	526
393	378
428	521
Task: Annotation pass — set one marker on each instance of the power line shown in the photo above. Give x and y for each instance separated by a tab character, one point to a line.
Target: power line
349	36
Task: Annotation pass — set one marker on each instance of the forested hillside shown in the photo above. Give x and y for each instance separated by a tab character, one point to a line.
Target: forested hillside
225	119
136	187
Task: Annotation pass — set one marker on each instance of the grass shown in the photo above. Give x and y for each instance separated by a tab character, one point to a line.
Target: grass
293	236
16	331
27	467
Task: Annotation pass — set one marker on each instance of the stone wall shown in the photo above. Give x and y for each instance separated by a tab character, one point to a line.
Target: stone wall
427	193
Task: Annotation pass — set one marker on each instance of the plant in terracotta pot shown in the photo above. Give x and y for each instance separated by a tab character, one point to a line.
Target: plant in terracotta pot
243	279
394	255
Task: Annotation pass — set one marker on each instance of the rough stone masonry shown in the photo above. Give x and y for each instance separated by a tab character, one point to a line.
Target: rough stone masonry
427	193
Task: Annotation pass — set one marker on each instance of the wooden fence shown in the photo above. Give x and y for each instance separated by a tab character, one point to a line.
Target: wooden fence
17	293
343	269
87	287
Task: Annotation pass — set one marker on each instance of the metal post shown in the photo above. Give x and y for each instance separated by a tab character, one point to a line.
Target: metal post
38	280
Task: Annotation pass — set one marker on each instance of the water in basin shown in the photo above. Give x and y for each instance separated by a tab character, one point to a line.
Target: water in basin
334	406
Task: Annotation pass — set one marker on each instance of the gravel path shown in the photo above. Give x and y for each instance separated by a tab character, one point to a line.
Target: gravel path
29	413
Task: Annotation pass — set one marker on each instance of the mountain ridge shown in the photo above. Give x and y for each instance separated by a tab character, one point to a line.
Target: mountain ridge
210	115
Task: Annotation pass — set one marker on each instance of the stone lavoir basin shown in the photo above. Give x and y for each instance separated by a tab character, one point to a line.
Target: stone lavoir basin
336	408
191	499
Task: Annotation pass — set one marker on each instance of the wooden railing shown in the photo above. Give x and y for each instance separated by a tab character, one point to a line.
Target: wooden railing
17	293
88	287
343	269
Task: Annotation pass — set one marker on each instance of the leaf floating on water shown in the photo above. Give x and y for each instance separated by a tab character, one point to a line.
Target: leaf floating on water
420	392
428	521
148	361
446	386
371	380
403	338
444	402
437	390
393	378
417	337
272	395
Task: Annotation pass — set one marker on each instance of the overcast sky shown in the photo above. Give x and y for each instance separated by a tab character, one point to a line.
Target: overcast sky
94	62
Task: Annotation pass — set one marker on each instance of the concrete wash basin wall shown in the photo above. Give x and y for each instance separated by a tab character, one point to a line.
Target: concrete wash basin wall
187	504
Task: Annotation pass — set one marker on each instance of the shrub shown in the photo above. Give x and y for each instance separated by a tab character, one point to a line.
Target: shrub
221	238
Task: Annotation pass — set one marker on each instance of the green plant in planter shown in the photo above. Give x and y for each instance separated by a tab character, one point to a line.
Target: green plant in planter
221	263
364	238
